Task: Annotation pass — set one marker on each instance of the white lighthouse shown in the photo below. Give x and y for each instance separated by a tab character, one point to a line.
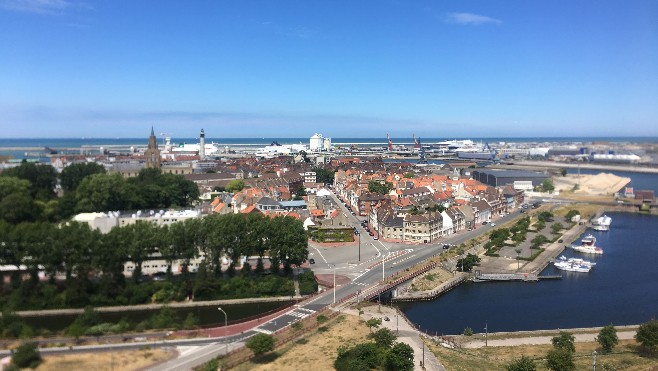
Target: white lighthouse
202	145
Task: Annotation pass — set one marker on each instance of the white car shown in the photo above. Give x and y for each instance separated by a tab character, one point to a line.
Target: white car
492	224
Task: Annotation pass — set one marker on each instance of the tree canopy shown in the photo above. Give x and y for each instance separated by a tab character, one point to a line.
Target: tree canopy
235	185
376	186
522	364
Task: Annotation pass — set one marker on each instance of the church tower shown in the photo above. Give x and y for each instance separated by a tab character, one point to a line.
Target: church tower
202	145
152	153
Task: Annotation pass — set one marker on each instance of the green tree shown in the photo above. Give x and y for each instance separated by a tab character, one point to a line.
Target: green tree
556	228
537	241
375	186
560	359
260	344
565	340
73	174
105	192
400	358
26	356
324	175
16	203
373	323
547	185
571	214
466	264
235	185
647	335
607	338
409	175
521	364
384	337
42	178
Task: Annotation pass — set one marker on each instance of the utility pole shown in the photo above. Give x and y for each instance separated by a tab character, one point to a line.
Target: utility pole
486	333
383	275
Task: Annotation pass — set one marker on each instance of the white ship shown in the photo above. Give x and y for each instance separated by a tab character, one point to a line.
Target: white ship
602	223
587	245
571	266
210	148
578	261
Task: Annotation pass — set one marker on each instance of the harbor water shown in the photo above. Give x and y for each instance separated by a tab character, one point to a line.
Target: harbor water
620	290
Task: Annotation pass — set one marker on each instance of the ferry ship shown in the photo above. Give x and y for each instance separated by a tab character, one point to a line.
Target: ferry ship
602	223
587	245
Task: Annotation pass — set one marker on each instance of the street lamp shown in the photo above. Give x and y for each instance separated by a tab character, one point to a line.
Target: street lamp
359	234
593	358
334	269
486	333
225	327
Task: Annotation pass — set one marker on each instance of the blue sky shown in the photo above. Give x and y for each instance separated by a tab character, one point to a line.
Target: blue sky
342	68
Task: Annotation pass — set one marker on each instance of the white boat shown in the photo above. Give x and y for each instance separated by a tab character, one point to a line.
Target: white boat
587	245
602	223
571	266
578	261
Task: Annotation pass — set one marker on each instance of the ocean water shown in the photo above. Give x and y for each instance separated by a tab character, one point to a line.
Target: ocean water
620	290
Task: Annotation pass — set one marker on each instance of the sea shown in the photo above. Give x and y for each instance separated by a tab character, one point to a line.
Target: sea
620	290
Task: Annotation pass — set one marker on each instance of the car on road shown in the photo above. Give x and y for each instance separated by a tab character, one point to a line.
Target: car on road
470	229
493	224
375	238
485	222
386	319
446	245
522	211
311	261
371	234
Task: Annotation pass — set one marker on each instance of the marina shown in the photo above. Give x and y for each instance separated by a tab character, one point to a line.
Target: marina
620	290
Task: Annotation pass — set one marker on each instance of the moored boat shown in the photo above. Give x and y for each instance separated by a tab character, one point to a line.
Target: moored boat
587	245
602	223
571	266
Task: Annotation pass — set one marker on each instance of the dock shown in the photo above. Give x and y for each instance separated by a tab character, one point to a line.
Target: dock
525	277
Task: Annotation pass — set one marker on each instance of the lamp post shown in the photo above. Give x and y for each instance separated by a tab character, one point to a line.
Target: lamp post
225	326
486	333
359	234
593	358
334	269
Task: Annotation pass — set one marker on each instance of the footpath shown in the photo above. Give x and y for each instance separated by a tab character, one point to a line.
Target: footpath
582	335
407	334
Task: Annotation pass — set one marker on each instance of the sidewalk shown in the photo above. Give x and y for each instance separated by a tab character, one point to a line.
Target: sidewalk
406	334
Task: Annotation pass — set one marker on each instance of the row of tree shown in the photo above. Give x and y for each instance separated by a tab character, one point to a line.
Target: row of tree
27	192
81	253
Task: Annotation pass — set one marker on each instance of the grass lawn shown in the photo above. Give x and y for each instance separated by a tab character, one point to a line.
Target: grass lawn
123	360
316	351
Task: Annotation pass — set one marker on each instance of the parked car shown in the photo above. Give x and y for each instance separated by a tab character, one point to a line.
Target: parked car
311	261
493	224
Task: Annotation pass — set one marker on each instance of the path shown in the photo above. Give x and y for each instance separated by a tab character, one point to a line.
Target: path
406	334
541	339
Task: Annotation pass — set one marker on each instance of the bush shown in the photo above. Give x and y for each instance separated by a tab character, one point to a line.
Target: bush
400	358
607	338
384	337
560	359
522	364
260	344
468	331
647	335
26	356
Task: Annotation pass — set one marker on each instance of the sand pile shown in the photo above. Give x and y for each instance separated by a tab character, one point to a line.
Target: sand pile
600	184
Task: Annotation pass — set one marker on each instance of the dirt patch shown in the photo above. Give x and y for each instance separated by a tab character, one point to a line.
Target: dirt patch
318	350
431	280
123	360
